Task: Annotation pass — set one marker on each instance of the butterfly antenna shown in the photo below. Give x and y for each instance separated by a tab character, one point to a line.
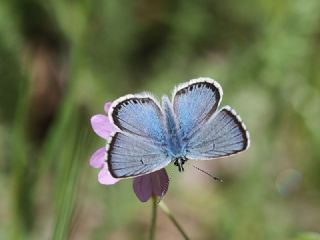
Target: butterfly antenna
210	175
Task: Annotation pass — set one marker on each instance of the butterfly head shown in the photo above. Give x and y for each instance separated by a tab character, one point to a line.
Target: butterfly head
179	162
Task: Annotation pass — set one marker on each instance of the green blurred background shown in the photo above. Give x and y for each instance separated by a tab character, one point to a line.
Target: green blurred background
61	60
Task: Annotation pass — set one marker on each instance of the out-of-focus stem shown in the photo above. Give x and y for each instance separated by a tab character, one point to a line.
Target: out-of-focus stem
166	210
153	218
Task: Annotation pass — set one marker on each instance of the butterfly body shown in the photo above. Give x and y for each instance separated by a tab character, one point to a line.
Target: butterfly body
189	127
173	141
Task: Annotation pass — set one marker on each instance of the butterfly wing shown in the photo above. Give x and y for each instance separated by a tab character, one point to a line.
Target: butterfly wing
194	103
139	115
129	155
223	135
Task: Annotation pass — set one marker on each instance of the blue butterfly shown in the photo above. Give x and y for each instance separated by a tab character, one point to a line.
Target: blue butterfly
190	127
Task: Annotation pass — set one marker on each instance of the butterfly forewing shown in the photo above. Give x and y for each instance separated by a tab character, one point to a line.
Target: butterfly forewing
194	103
129	155
223	135
139	115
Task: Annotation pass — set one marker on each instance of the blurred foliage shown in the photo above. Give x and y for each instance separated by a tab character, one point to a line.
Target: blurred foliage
61	60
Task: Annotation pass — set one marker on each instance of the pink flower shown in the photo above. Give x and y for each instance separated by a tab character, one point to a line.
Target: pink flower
146	186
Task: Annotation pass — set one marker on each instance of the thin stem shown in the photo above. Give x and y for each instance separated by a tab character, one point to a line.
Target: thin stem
153	218
166	210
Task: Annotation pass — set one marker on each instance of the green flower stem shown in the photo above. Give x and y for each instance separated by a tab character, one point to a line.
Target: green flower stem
153	217
166	210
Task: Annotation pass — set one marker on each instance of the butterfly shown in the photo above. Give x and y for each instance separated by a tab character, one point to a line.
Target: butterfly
189	127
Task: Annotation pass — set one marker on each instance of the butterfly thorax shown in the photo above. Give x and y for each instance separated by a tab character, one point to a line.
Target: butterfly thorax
174	144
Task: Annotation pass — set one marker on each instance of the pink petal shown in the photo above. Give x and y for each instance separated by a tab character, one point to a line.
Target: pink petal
152	184
97	158
105	177
101	125
107	106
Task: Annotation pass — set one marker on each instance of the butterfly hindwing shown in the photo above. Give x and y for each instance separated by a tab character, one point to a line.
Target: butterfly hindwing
129	156
194	103
139	115
223	135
